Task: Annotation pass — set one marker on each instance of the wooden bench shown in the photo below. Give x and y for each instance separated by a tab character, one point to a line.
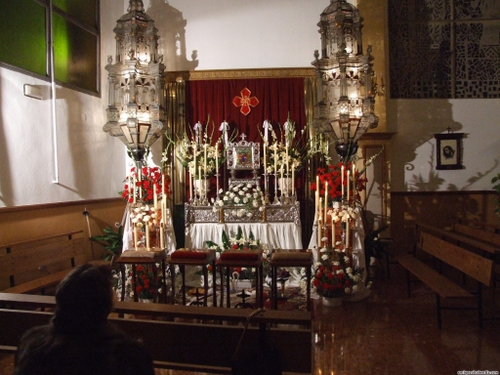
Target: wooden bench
188	338
475	266
477	240
35	265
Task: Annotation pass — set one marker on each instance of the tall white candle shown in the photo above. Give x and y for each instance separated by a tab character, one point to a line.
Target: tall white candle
342	180
347	234
293	180
333	233
265	157
287	166
191	182
348	183
353	178
217	158
205	146
140	184
282	187
275	159
326	199
195	168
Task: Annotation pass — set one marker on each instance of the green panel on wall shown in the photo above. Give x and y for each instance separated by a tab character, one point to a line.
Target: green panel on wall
85	11
75	55
23	37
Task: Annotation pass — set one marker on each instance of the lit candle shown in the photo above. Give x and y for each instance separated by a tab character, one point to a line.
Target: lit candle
195	149
326	199
140	184
347	234
333	233
217	158
348	173
320	222
282	187
342	180
205	146
287	167
275	159
354	178
293	180
265	156
317	198
191	182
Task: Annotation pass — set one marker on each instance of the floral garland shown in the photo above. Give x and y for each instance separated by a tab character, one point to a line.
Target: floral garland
242	197
334	275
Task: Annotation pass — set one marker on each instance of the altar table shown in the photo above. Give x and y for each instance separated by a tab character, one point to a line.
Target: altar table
287	235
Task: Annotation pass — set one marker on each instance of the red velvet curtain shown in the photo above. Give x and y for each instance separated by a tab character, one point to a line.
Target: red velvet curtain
211	102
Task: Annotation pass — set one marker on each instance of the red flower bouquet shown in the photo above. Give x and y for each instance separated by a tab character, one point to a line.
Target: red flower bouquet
335	276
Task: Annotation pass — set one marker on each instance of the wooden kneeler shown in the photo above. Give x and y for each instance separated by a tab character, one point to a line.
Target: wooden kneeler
290	258
193	257
241	258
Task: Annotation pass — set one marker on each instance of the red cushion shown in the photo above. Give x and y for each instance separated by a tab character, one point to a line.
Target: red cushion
189	254
239	255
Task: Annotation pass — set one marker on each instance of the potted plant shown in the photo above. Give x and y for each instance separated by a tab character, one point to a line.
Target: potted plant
111	240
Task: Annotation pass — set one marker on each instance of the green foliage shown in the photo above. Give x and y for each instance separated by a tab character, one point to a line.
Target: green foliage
496	186
112	242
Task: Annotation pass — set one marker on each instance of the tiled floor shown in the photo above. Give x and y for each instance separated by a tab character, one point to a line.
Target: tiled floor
387	334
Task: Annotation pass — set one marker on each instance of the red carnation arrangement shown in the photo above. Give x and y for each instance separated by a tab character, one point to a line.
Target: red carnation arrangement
143	186
333	175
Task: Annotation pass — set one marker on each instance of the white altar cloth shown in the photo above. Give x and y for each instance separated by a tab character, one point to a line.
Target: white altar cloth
274	235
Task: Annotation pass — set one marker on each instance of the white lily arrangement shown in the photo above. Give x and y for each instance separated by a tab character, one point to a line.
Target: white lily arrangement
241	197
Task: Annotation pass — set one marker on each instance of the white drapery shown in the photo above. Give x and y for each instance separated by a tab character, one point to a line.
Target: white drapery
273	235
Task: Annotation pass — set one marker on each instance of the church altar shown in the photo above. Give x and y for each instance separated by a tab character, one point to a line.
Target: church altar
276	226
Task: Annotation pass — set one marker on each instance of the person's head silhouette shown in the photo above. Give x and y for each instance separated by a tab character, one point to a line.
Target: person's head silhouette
84	300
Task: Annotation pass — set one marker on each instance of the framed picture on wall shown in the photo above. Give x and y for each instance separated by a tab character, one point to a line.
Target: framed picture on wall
449	150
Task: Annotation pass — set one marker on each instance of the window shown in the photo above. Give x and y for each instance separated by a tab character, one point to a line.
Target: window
75	33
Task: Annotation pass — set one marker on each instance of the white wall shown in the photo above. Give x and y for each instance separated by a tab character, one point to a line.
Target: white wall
414	147
237	34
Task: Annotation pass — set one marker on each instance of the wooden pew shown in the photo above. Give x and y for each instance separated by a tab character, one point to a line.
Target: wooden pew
479	234
32	266
189	338
475	266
